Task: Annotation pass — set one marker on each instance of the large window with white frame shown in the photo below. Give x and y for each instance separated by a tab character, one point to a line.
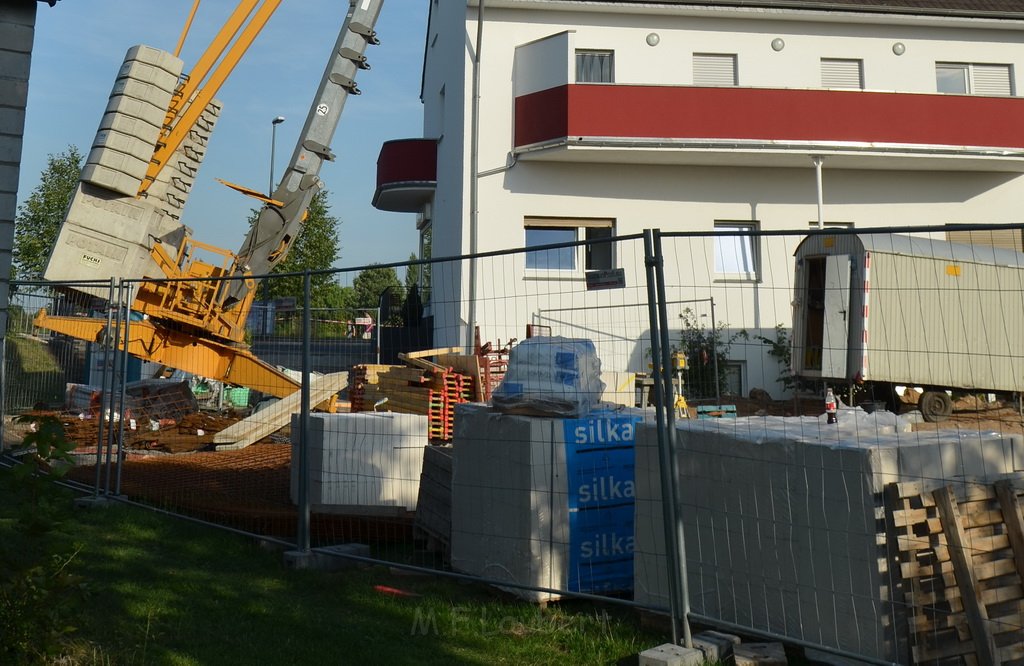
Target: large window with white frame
715	69
594	66
842	73
963	78
597	254
737	251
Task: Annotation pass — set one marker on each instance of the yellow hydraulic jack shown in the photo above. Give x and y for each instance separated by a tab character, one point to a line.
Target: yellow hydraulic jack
679	364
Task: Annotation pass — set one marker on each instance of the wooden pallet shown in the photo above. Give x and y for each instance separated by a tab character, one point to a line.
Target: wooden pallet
961	560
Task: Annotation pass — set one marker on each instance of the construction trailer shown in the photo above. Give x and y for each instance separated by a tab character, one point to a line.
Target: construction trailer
888	311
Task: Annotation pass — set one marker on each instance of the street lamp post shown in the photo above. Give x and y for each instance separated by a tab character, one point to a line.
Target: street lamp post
273	142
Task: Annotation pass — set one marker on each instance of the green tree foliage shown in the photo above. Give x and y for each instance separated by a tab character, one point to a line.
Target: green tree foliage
706	349
40	216
40	597
412	273
368	286
315	249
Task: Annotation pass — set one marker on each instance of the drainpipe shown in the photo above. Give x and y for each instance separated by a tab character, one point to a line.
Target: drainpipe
474	169
818	160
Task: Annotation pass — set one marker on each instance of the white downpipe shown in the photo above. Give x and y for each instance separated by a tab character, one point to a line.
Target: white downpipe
474	176
818	160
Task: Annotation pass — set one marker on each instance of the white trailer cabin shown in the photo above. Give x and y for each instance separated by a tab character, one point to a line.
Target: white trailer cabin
889	309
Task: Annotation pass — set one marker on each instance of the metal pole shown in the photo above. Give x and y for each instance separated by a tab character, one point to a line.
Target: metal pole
818	160
670	420
714	353
664	463
127	296
273	143
114	382
302	460
104	388
3	392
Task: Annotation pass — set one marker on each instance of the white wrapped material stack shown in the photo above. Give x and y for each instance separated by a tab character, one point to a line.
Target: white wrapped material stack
553	376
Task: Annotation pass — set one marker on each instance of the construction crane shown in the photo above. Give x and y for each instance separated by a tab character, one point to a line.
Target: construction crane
124	218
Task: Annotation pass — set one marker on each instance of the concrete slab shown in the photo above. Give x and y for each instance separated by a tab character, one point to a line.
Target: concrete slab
760	654
671	655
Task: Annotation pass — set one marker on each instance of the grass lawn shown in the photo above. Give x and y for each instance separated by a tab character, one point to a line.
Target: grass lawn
166	591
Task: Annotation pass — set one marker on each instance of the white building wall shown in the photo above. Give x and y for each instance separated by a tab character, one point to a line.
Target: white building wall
17	30
685	198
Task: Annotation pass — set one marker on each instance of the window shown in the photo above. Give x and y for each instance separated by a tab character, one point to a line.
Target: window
595	66
1010	239
842	73
813	224
714	69
736	254
598	254
973	79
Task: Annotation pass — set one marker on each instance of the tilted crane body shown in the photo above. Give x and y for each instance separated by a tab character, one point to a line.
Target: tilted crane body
124	219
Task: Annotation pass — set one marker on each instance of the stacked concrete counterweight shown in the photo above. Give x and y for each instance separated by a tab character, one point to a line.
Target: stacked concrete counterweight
132	123
108	231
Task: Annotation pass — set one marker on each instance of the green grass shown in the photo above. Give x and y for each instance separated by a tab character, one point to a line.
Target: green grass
165	591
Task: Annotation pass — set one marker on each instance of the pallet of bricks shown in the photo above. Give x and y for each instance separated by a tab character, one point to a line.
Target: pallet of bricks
960	558
431	383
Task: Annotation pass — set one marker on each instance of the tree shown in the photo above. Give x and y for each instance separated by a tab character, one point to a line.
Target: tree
412	273
40	216
368	286
315	249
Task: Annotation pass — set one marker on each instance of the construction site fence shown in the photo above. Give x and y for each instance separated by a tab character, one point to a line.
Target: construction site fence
639	419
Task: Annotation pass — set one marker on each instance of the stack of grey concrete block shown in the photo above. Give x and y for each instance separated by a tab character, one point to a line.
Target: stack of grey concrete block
510	516
366	463
783	521
108	231
134	118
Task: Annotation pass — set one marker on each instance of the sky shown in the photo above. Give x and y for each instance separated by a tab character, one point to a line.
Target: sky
80	45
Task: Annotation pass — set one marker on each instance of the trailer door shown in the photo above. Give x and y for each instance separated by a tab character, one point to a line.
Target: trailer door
836	338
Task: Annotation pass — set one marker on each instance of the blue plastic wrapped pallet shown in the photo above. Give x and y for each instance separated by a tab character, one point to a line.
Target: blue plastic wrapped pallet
551	376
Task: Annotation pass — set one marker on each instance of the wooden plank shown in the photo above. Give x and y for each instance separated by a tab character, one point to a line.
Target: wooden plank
970	593
430	352
1014	520
405	373
422	363
278	415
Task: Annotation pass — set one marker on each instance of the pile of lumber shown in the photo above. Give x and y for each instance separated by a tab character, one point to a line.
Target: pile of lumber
421	386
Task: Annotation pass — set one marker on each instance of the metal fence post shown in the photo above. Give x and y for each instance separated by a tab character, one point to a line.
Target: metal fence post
124	304
115	382
651	262
302	459
682	589
104	390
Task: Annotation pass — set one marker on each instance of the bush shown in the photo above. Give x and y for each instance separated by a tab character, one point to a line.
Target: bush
39	595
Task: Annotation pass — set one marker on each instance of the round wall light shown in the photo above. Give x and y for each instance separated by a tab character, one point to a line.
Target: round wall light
778	44
653	39
899	48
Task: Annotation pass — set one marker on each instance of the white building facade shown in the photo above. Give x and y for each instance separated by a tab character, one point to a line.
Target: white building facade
554	120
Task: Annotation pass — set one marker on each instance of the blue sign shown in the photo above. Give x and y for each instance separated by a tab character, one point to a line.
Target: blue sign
599	459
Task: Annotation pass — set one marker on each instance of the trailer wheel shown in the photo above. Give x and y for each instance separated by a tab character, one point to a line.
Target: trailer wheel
935	406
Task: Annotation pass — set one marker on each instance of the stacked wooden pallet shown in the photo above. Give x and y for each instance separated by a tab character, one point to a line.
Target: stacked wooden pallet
961	560
419	387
